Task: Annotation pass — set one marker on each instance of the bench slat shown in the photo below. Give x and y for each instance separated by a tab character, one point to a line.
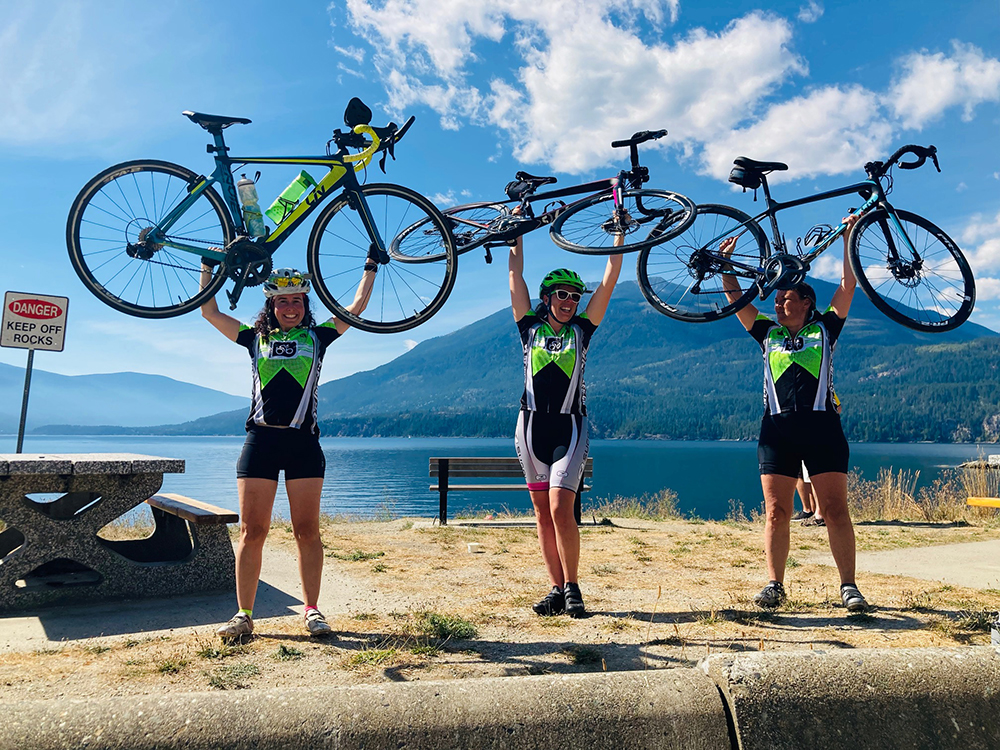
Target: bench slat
512	473
479	461
491	487
192	510
984	502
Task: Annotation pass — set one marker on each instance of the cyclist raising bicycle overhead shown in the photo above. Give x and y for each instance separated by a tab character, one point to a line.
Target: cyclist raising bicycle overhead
551	435
286	349
801	424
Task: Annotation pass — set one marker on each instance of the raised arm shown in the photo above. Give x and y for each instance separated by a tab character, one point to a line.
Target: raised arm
361	296
731	286
598	304
842	298
520	297
225	324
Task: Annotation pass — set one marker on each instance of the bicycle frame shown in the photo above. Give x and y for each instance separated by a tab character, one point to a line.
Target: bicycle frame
531	222
339	176
777	245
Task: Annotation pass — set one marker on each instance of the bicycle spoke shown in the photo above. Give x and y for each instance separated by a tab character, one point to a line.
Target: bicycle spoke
118	211
928	288
402	291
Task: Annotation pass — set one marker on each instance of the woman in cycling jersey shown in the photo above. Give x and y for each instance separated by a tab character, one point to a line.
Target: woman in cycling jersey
551	436
801	424
286	347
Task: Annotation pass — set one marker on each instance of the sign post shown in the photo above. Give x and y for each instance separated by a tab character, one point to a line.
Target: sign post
32	321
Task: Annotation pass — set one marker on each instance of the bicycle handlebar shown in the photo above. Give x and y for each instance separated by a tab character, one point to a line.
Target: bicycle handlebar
641	137
364	156
382	139
878	168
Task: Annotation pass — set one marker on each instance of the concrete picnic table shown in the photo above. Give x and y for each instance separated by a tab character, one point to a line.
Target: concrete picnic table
50	551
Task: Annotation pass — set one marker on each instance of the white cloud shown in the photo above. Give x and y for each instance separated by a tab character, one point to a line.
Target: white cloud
980	241
583	76
810	13
573	75
408	344
445	200
355	53
351	71
987	289
832	130
930	83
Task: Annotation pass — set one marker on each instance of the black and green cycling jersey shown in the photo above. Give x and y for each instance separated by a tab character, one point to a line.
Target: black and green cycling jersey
553	364
798	370
286	374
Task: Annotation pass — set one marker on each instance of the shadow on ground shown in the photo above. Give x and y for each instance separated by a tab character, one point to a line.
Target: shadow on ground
72	622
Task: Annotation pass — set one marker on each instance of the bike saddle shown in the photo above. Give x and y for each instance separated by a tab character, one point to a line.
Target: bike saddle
214	123
536	180
763	166
525	184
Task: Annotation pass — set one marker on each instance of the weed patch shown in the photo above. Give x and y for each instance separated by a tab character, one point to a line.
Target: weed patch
286	653
233	676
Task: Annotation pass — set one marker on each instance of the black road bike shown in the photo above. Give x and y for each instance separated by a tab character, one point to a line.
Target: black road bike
908	267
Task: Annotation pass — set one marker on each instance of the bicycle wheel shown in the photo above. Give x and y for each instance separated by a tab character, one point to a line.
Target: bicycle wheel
421	242
108	221
403	295
683	281
653	216
930	291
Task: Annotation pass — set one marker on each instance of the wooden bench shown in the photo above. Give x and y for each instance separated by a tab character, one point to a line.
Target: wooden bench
984	502
191	510
491	467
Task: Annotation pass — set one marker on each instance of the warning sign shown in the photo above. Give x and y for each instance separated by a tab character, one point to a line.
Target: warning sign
34	321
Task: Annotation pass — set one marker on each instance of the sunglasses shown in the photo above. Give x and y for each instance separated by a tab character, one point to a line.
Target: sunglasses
562	295
288	280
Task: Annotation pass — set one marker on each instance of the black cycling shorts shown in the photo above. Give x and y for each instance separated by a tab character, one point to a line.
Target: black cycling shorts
269	450
552	449
814	438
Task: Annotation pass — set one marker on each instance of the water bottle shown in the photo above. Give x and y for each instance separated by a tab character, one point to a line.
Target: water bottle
251	207
286	202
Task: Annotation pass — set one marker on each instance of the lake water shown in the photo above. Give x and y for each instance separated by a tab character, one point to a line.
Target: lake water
372	476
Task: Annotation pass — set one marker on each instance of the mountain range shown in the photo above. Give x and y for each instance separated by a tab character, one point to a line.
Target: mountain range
651	376
127	399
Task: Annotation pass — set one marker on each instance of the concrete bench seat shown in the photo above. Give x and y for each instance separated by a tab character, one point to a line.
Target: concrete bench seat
53	550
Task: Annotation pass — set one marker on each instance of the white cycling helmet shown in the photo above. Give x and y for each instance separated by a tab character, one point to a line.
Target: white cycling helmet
286	281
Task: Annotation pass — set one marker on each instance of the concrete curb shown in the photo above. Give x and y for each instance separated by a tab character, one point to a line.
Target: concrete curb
863	698
673	708
892	698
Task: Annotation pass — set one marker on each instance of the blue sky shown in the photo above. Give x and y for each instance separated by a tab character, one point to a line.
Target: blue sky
496	86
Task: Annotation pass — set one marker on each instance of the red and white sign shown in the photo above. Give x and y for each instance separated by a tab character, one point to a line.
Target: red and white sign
34	321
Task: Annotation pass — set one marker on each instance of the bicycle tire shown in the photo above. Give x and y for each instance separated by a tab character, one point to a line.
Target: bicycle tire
937	296
666	271
112	210
468	229
337	272
583	228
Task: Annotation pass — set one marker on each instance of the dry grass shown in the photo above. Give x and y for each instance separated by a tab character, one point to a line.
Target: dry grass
661	594
893	496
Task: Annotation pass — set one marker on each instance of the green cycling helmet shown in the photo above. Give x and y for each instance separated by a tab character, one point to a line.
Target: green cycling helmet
561	276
